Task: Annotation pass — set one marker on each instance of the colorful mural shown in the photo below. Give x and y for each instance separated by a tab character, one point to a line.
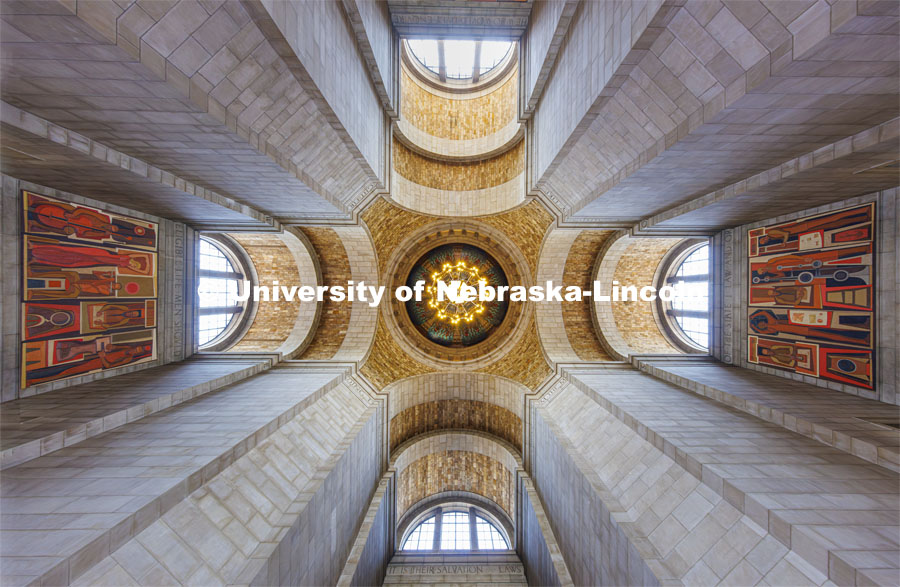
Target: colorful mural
811	300
89	289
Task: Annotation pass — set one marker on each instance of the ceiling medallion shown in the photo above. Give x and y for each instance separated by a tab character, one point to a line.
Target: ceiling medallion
452	309
453	322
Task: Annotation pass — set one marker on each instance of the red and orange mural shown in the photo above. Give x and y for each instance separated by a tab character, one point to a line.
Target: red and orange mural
811	300
89	290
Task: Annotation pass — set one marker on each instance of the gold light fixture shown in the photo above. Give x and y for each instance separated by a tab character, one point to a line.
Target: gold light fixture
451	311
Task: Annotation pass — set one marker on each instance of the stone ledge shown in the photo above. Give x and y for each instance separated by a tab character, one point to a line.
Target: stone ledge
830	417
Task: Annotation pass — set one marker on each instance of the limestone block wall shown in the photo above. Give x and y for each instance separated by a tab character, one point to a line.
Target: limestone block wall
649	519
538	35
595	548
284	512
600	37
167	455
536	545
704	493
374	546
174	315
732	257
324	42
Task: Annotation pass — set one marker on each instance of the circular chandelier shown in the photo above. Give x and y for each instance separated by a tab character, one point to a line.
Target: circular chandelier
453	308
454	322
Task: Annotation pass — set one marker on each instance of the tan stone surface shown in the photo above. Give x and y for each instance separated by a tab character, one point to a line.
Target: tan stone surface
462	176
273	322
458	119
455	470
389	226
387	362
458	415
577	315
335	316
524	362
526	227
635	320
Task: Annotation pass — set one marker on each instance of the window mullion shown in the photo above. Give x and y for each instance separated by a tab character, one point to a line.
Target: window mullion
473	531
437	530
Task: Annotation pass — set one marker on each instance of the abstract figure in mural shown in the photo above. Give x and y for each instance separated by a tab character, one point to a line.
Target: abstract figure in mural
811	295
47	284
48	216
55	359
72	256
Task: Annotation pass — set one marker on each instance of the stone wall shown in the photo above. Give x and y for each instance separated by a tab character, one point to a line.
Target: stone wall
536	545
455	470
374	546
525	362
285	512
454	569
704	493
323	40
595	549
600	37
577	315
459	176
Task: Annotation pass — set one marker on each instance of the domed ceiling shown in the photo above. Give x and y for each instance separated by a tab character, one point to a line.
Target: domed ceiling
450	323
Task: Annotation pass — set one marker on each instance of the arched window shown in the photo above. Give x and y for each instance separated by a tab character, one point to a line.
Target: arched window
460	59
456	527
221	283
688	311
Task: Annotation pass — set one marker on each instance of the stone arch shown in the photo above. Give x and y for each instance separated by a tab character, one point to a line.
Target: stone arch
346	330
481	155
633	327
473	462
283	327
471	401
567	331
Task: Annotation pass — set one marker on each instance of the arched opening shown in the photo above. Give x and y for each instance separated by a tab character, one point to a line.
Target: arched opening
223	303
455	527
687	312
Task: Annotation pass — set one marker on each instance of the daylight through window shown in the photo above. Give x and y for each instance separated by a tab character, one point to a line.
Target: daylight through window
455	528
221	282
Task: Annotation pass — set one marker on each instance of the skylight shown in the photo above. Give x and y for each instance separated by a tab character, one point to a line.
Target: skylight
459	59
